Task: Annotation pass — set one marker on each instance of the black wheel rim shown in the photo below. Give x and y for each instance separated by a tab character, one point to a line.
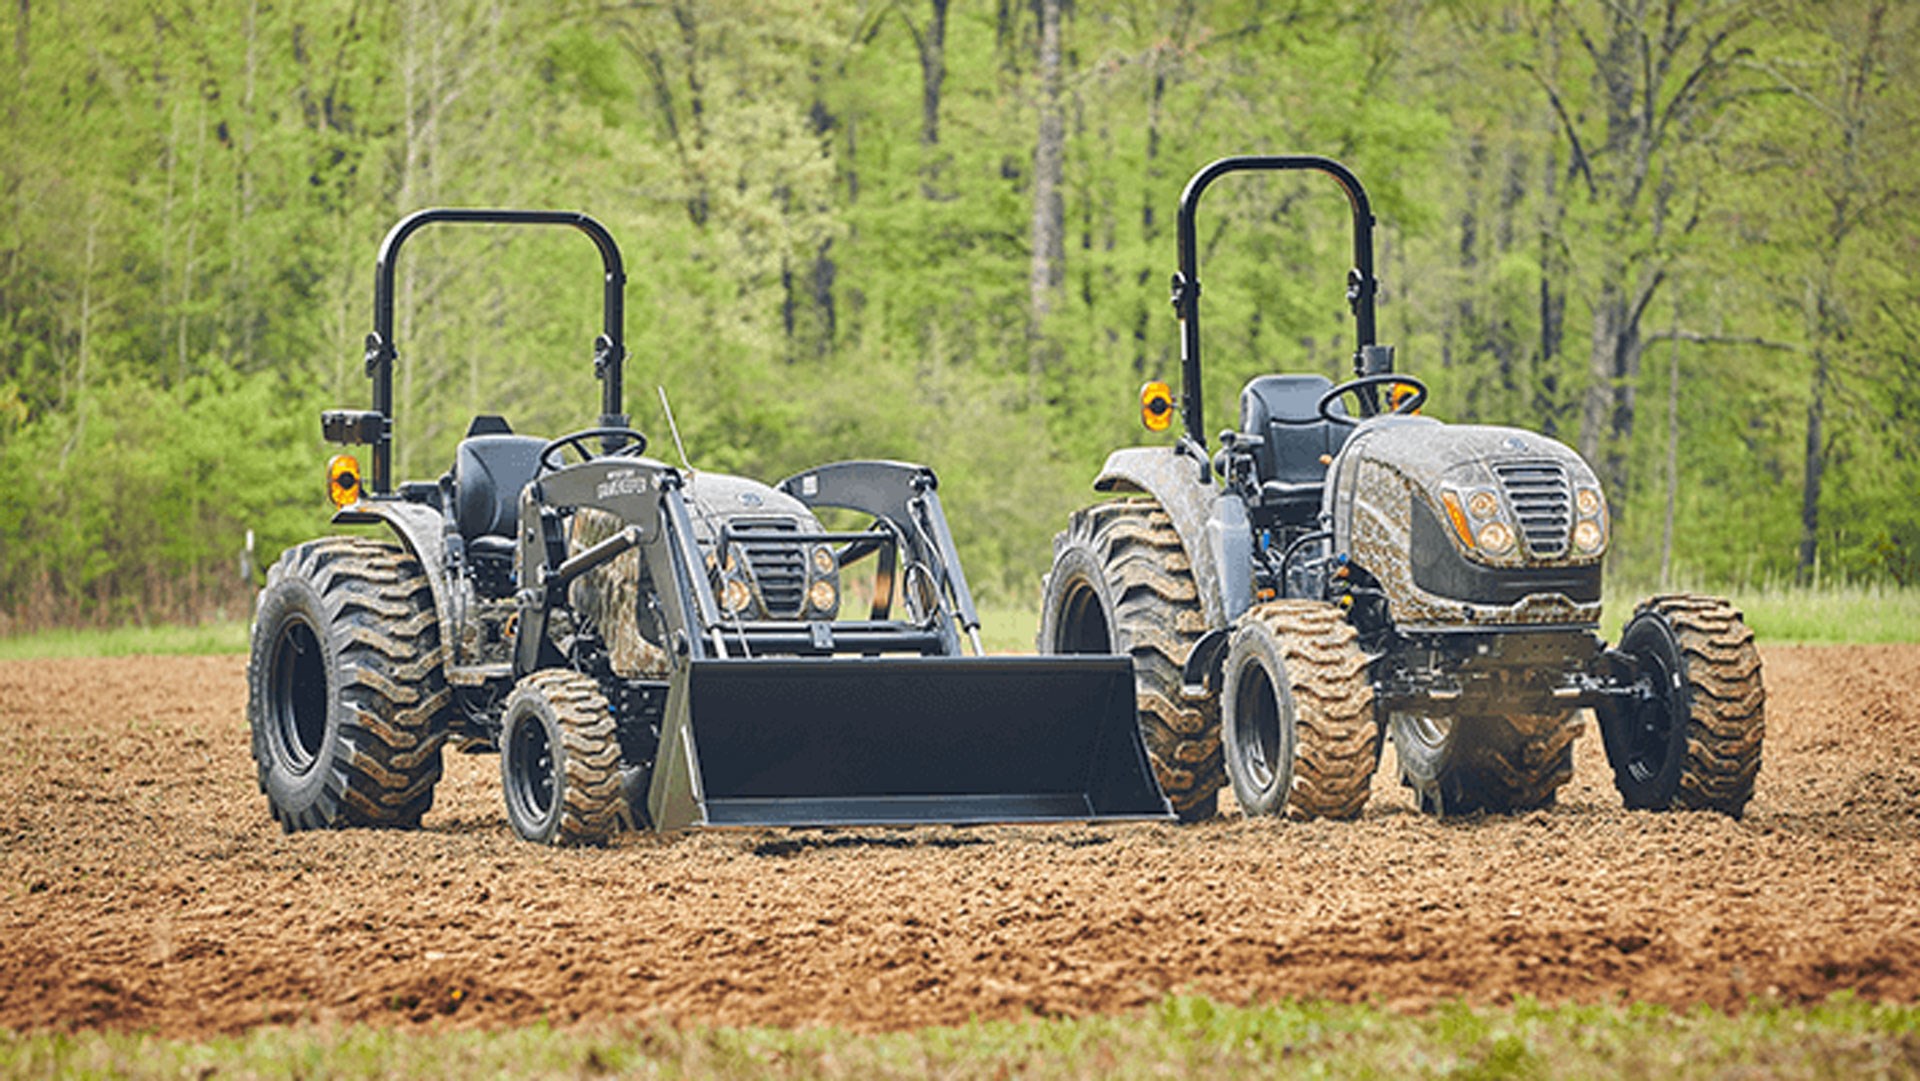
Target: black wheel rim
531	754
1652	719
1650	730
1256	727
297	696
1083	623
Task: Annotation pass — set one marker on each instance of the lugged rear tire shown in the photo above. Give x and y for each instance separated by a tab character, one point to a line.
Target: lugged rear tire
1696	744
1502	764
1297	714
560	760
1121	583
347	700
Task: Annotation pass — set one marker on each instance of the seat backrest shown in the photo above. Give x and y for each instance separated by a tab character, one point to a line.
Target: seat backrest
489	472
1283	410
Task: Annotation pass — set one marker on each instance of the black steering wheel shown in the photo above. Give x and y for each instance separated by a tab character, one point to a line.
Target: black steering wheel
636	444
1406	405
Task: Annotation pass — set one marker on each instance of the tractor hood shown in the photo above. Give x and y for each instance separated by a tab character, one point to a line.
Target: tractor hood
715	499
1486	515
764	574
1430	454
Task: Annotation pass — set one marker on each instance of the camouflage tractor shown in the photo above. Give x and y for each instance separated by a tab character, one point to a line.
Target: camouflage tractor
1333	577
655	647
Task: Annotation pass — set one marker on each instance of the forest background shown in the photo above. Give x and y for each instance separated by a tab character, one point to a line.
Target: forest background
1679	235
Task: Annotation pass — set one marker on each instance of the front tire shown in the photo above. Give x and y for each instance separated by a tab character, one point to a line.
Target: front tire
1502	764
560	761
1122	583
1694	743
346	698
1297	713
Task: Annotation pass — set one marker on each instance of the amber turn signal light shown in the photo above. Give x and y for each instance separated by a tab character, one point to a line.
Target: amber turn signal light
343	479
1458	517
1156	406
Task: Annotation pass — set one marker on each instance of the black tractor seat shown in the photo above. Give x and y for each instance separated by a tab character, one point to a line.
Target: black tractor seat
490	468
1283	410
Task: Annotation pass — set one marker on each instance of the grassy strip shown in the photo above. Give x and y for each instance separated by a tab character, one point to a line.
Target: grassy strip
1181	1037
230	637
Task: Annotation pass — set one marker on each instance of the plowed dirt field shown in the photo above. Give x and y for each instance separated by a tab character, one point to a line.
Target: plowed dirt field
145	887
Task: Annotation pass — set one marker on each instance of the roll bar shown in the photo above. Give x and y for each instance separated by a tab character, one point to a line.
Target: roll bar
1368	358
609	348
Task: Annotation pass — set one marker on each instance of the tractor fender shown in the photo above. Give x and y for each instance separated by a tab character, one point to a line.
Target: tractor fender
423	531
1212	523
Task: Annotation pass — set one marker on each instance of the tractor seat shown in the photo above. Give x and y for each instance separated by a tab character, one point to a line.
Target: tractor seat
1283	411
490	468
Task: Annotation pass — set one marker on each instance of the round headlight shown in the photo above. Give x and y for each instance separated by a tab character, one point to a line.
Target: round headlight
736	596
1495	537
823	560
1587	536
822	596
1483	504
1588	500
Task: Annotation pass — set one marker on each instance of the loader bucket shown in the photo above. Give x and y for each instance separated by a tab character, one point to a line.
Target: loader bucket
902	741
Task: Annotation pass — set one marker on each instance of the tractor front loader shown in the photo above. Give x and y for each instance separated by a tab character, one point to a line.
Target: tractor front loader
654	647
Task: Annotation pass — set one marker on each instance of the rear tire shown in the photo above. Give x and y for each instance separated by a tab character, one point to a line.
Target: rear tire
560	761
1501	764
1297	713
346	698
1121	583
1696	743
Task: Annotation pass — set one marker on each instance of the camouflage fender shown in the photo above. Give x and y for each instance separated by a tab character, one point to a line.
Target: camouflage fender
424	532
1212	524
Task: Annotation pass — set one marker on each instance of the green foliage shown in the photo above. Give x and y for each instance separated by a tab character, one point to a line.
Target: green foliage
193	195
1183	1036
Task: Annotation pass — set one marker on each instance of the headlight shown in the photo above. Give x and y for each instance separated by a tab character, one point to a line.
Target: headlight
1589	502
1588	536
1483	504
823	562
1496	537
735	596
822	595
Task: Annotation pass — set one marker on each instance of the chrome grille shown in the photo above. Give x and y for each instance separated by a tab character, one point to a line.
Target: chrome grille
1542	503
779	568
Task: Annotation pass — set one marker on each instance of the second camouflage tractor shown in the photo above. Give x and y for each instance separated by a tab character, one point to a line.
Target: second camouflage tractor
1343	571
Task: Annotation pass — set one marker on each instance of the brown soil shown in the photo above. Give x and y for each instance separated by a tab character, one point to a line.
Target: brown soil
145	887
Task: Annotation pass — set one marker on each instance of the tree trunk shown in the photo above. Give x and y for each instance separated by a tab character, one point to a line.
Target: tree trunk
1673	453
86	342
933	72
1809	561
1596	407
1049	240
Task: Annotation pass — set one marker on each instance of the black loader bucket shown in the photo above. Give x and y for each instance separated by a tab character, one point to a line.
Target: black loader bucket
902	741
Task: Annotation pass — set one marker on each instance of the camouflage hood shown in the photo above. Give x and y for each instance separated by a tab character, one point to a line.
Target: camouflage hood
1427	453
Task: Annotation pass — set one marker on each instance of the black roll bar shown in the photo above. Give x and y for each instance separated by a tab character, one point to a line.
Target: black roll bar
1361	284
609	349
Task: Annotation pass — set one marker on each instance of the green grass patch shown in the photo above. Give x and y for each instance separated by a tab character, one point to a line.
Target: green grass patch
223	637
1181	1037
1009	627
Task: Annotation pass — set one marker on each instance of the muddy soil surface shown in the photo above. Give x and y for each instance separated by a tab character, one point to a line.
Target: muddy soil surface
145	887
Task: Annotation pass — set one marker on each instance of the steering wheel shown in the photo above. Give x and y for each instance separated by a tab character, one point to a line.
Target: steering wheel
550	454
1406	405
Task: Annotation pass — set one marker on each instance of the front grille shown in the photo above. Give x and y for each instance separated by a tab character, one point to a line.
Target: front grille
779	568
1542	503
